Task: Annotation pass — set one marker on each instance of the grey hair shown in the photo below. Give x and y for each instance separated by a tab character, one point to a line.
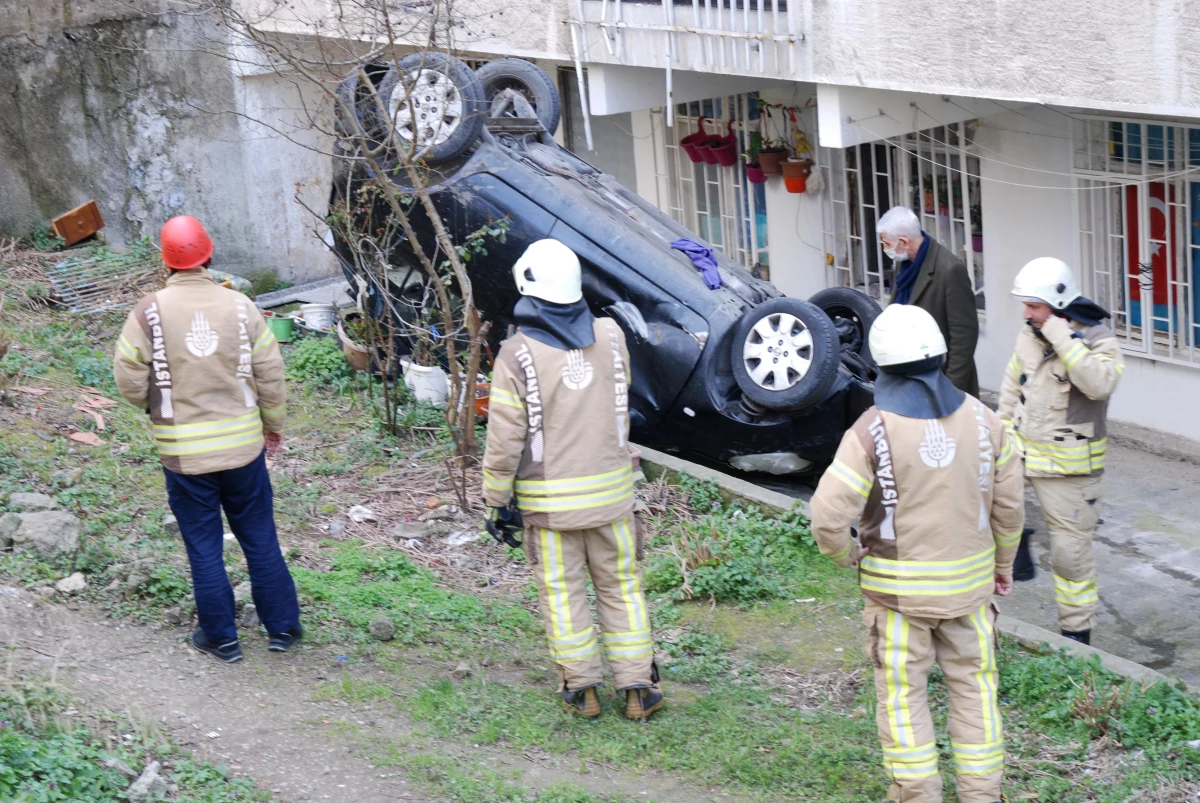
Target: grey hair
899	221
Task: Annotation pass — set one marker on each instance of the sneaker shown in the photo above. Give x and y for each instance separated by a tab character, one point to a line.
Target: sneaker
285	641
584	702
229	652
642	701
1082	636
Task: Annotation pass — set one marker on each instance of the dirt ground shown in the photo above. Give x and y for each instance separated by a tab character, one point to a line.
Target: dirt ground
264	717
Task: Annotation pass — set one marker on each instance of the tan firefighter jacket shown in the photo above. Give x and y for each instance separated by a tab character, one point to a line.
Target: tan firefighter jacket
1055	396
558	431
200	359
942	506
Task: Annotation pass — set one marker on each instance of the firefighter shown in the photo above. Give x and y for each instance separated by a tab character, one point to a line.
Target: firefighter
558	469
1055	399
200	360
932	478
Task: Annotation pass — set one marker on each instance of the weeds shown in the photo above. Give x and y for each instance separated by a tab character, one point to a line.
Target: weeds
318	361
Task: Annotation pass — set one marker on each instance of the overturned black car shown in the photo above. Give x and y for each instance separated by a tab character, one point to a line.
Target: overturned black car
738	374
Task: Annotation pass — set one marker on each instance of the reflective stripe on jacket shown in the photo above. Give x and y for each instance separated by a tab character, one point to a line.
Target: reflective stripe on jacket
201	360
940	504
558	431
1055	396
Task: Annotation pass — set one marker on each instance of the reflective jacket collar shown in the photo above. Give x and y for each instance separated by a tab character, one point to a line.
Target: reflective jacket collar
563	326
925	395
193	276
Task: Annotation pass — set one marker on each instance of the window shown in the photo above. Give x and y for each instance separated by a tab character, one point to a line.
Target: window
716	202
932	172
1138	200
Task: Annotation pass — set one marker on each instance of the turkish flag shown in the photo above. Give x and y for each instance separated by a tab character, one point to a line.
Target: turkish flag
1162	249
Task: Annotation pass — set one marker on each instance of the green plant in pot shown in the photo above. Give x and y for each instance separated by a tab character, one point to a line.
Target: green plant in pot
770	156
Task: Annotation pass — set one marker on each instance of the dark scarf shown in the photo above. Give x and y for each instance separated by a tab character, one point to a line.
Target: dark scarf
1086	311
928	394
907	275
563	326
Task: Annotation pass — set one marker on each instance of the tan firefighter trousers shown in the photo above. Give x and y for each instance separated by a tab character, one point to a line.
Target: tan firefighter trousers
1071	506
903	650
610	555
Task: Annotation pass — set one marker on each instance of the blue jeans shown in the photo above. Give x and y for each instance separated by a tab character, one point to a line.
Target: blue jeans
245	494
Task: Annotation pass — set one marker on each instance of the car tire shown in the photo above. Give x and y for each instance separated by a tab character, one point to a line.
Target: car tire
449	113
527	78
802	374
852	313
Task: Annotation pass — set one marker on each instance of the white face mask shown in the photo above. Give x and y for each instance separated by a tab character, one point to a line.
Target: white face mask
895	256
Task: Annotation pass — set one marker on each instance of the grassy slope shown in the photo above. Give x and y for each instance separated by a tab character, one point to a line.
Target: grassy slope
730	724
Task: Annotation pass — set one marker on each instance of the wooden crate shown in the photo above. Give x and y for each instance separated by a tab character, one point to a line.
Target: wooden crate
78	224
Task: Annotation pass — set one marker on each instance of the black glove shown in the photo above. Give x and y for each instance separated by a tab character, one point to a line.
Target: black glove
505	524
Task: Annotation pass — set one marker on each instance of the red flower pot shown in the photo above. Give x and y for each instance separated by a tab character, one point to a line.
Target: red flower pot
693	144
795	175
723	150
755	175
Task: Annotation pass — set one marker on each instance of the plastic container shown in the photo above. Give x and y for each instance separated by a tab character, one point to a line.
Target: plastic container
692	142
428	383
320	316
795	175
755	175
769	160
280	326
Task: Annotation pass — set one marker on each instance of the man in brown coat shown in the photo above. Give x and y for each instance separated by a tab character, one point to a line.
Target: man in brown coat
932	278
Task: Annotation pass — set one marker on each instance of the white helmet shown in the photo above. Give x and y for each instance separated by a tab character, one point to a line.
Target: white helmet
550	271
1046	280
905	334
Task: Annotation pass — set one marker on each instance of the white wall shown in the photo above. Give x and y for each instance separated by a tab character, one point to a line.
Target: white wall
1024	222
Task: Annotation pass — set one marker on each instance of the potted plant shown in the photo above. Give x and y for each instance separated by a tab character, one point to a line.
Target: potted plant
754	172
352	332
770	156
977	228
795	174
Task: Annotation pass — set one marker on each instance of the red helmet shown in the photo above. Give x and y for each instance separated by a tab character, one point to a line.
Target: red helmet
185	243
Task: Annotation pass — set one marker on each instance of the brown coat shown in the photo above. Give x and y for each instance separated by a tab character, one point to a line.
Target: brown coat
944	290
1055	396
942	506
558	431
201	360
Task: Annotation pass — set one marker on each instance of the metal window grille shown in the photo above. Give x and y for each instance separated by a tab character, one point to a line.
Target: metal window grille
716	202
933	172
1138	191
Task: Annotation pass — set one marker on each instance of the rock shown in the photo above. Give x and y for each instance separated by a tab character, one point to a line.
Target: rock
382	628
250	618
9	523
175	616
148	786
407	529
65	479
337	527
241	594
45	592
135	582
441	514
662	658
120	766
462	671
47	532
433	503
358	514
170	524
31	503
461	537
73	584
1194	744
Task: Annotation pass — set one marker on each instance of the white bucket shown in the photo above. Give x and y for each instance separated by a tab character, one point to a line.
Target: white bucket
319	315
428	383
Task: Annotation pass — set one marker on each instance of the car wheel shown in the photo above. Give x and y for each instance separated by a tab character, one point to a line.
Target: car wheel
435	104
852	314
785	354
530	80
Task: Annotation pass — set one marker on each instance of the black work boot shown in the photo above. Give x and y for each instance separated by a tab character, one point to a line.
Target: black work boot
642	701
283	642
229	652
1023	566
583	702
1082	636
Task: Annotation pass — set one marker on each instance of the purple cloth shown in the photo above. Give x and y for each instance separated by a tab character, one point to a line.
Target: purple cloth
702	257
